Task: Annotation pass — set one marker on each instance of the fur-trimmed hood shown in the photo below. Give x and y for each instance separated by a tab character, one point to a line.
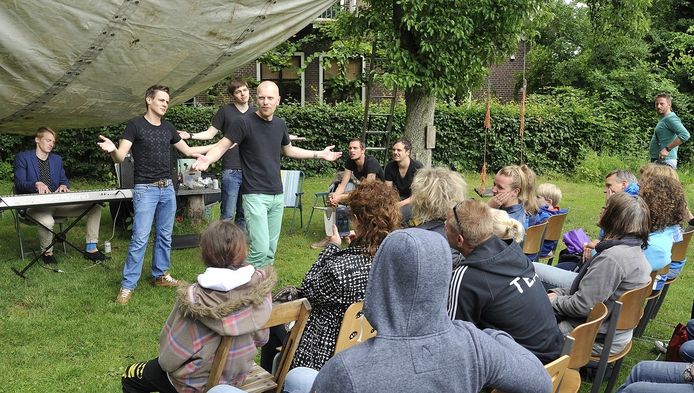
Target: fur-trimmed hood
211	307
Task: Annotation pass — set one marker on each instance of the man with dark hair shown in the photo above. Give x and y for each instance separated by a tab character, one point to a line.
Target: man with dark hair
154	199
41	171
232	175
358	166
496	286
400	172
669	133
262	138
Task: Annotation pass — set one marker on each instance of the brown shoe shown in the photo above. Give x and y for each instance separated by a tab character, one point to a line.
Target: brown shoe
124	296
321	244
165	280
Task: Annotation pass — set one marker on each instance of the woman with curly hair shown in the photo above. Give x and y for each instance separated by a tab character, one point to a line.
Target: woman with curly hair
667	206
339	276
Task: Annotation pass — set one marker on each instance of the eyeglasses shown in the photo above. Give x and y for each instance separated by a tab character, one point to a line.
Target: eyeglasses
455	214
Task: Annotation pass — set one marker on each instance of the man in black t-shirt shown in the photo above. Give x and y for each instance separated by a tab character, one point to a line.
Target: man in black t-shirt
232	174
358	166
154	199
262	138
400	172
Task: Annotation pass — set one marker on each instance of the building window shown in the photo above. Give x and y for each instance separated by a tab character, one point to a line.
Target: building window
341	85
289	79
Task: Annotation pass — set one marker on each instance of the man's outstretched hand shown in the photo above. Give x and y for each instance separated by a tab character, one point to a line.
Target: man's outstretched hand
106	144
329	155
202	162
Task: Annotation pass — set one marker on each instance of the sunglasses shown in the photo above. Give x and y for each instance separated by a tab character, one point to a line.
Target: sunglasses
455	214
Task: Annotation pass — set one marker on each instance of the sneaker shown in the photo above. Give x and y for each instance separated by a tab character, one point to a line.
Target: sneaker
660	346
165	280
49	259
124	296
321	244
94	256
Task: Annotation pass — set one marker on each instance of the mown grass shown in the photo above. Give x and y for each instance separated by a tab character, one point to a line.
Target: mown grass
62	332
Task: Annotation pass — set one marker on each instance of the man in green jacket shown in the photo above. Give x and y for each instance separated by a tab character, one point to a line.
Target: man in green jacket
669	133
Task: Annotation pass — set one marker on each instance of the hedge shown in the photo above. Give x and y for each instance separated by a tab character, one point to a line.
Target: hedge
559	130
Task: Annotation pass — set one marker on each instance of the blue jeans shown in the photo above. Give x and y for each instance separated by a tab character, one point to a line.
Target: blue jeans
299	380
231	196
652	376
151	204
553	277
264	223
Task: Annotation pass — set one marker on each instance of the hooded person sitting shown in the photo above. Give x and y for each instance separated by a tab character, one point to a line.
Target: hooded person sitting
417	347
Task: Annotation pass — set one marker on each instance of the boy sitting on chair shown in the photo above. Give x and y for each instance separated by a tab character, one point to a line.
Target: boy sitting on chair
548	198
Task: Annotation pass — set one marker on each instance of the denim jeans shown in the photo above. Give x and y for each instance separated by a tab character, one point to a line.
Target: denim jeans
299	380
263	224
653	376
553	277
687	349
151	204
232	204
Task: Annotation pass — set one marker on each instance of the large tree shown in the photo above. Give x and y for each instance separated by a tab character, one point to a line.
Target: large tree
435	48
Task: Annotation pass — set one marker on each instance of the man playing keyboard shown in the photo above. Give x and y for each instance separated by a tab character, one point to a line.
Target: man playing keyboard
41	171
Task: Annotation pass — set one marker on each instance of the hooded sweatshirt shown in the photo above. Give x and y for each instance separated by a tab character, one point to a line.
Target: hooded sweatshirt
417	347
192	333
496	287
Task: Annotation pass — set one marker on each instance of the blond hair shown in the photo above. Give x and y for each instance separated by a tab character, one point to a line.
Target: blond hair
523	178
505	227
473	220
434	191
654	169
550	191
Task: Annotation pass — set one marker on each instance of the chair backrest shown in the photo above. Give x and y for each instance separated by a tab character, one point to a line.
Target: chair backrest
296	311
554	225
533	238
556	371
292	187
354	329
679	249
584	336
632	306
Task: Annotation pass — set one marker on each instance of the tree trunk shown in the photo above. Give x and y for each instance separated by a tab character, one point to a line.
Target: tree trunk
419	106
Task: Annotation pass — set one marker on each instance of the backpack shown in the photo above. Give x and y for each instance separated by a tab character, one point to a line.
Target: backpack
679	337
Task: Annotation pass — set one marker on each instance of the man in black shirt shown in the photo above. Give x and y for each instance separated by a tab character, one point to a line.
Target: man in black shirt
357	165
262	138
150	137
400	172
232	175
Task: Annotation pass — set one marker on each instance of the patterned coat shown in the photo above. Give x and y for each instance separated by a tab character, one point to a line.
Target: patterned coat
191	335
334	282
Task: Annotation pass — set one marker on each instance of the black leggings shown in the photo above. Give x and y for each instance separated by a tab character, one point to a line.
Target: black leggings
146	377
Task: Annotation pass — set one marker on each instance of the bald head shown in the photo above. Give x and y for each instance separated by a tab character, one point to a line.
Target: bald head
268	97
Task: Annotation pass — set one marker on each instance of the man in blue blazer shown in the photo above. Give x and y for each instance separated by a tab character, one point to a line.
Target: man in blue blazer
41	171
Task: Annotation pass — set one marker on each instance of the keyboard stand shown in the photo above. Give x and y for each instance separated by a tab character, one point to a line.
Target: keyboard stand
60	236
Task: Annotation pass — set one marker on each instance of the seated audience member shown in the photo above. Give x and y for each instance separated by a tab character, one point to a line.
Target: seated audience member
548	198
668	377
505	227
495	286
231	298
359	166
417	347
654	169
618	266
667	209
514	192
41	171
400	172
434	191
339	277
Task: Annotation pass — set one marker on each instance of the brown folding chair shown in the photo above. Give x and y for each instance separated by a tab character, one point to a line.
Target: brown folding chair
553	233
584	337
626	314
651	301
355	328
679	253
259	380
532	243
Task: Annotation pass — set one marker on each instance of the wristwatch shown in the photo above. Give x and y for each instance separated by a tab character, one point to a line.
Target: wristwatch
668	148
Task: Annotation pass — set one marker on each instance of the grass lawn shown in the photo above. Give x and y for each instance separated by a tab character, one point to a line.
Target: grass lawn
62	332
